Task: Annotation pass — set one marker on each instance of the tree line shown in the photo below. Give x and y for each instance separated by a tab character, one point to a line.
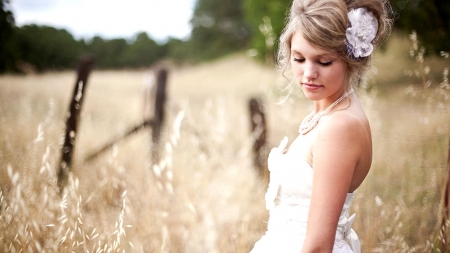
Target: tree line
46	48
218	28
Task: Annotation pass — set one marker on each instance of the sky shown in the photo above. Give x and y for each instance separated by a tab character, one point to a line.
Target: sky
109	18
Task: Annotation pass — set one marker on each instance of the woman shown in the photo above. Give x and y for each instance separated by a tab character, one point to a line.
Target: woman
328	45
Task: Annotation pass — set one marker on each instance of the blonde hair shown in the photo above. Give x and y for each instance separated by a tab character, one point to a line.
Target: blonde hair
323	23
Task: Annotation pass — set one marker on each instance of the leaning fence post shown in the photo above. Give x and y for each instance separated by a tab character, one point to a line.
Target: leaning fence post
259	135
110	144
445	208
158	115
84	67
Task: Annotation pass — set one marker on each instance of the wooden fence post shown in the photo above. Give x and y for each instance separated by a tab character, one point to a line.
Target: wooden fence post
259	135
73	115
445	208
154	102
158	115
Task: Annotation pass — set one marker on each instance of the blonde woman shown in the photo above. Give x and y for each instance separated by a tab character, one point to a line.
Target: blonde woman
328	46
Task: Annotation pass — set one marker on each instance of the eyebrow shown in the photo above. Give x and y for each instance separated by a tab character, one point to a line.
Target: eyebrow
318	56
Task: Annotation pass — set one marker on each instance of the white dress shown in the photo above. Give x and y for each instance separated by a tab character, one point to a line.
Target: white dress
288	199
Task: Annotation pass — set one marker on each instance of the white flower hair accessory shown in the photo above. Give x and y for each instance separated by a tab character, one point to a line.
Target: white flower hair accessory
363	27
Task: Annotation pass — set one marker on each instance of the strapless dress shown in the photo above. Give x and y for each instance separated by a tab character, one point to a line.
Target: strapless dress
288	199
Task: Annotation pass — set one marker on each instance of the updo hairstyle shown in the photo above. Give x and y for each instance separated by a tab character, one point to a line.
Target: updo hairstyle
323	23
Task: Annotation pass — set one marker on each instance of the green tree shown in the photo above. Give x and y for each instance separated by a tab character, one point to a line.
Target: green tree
143	52
45	47
7	50
266	19
177	49
97	47
118	53
218	28
430	18
108	53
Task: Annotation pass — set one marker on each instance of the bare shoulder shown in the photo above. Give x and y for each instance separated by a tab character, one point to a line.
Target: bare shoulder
344	141
344	124
345	133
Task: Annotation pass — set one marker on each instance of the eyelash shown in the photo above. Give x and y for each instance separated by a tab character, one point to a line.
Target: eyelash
321	63
326	63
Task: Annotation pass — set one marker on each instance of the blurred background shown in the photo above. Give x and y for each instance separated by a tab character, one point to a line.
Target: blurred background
204	194
49	34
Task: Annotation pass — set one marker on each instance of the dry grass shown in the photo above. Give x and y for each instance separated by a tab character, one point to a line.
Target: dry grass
204	195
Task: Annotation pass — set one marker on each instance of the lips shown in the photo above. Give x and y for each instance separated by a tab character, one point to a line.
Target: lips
311	86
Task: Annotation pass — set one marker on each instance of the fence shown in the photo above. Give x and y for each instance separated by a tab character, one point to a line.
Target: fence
155	99
259	134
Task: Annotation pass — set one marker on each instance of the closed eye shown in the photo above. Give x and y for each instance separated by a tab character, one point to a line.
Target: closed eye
299	59
328	63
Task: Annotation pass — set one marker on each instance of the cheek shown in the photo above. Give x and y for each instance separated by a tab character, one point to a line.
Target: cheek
338	74
343	75
296	69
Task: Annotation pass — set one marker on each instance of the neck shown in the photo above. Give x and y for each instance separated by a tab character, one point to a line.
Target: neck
321	105
313	118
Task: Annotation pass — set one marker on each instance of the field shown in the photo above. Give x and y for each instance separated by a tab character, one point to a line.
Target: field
205	195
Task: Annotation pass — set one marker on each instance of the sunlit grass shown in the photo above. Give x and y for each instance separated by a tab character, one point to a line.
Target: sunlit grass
205	195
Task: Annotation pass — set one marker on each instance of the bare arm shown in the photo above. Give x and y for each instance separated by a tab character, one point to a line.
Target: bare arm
336	152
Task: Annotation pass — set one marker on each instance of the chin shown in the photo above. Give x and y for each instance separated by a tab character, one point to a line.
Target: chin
311	95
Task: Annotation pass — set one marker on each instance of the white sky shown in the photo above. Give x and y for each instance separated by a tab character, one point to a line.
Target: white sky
109	18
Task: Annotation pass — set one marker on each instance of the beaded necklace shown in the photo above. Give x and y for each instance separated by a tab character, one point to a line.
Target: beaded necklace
310	121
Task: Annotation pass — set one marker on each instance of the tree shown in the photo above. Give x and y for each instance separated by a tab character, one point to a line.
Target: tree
430	19
46	47
218	28
114	51
266	19
177	49
142	52
108	53
7	50
97	47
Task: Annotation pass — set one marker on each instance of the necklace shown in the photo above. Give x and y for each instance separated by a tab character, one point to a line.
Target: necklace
311	120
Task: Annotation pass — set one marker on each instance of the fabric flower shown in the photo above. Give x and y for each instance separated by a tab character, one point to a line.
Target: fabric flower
274	184
362	30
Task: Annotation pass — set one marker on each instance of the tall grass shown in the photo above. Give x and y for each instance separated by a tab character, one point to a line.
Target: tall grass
204	195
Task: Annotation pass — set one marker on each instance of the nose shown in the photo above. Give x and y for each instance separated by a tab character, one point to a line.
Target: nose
309	71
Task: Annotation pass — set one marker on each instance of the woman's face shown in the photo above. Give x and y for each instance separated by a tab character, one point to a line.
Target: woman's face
320	74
